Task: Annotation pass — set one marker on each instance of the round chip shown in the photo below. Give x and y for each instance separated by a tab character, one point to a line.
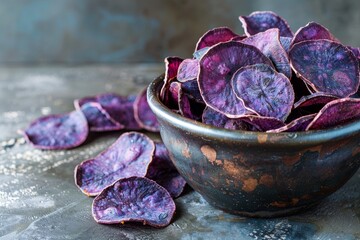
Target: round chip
98	119
296	125
217	67
261	21
269	44
54	132
129	156
188	70
265	91
134	199
336	113
163	172
326	66
312	31
145	118
214	36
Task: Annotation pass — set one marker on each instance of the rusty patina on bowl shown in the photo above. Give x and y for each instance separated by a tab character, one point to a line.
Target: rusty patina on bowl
253	173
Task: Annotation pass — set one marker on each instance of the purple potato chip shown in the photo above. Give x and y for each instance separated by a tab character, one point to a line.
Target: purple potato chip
265	91
145	118
189	108
134	199
214	118
355	51
55	132
297	125
173	94
239	124
80	102
191	88
300	88
336	113
239	38
188	70
199	53
261	21
312	31
326	66
162	171
215	36
98	119
171	69
314	99
129	156
217	67
260	123
268	43
285	43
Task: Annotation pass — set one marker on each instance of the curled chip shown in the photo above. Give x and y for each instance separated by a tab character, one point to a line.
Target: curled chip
188	70
269	44
355	51
134	199
162	171
312	31
326	66
145	118
173	94
98	119
191	88
129	156
336	113
214	36
285	43
217	67
199	53
171	68
53	132
189	107
261	21
296	125
265	91
315	99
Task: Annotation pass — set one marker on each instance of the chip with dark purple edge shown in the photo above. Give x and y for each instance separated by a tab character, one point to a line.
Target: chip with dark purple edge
129	156
239	124
98	119
145	118
191	88
315	99
297	125
171	69
264	90
55	132
355	51
262	123
336	113
300	88
188	70
189	107
199	53
285	43
326	66
163	171
268	43
215	36
312	31
214	118
172	95
239	38
261	21
134	199
81	101
217	67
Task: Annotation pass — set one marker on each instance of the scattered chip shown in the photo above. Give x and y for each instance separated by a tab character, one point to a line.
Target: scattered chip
265	91
297	125
269	44
145	118
214	36
261	21
162	171
336	113
188	70
217	67
312	31
54	132
326	66
134	199
129	156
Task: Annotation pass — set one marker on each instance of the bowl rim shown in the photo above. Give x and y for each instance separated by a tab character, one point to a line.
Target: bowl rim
311	137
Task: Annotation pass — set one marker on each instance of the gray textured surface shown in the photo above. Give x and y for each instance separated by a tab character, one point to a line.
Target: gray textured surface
68	31
38	198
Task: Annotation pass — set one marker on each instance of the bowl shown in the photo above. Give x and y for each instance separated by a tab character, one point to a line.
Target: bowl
257	174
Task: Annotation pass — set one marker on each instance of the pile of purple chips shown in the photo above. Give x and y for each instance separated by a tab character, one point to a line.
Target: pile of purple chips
268	80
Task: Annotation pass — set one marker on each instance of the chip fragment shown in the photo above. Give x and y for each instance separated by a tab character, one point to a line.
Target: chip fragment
326	66
214	36
55	132
145	118
134	199
129	156
261	21
267	92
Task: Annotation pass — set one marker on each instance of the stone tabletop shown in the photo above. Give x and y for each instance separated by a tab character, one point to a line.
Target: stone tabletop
38	197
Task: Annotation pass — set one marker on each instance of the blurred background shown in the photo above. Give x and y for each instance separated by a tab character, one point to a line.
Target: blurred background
138	31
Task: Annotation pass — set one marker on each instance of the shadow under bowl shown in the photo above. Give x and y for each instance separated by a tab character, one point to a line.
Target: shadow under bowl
257	174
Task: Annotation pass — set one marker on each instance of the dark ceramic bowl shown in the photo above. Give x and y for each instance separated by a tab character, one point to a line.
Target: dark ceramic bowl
253	173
